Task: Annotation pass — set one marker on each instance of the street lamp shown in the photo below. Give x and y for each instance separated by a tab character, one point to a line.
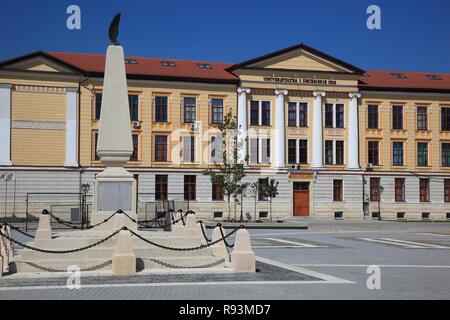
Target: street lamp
380	190
84	190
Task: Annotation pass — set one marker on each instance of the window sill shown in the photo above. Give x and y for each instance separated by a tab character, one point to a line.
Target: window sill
423	131
399	130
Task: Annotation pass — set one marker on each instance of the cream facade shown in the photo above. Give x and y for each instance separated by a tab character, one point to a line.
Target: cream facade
303	120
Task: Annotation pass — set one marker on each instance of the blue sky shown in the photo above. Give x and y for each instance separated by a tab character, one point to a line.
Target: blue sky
415	35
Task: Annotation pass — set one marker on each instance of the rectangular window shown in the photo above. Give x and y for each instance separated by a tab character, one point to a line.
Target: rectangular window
254	151
445	154
375	189
337	190
254	113
339	152
292	151
422	118
422	154
217	194
445	119
339	115
399	189
373	156
265	151
328	115
303	114
96	157
189	149
292	114
161	182
447	190
134	155
190	187
265	106
397	153
189	109
424	189
161	108
372	117
397	117
216	149
98	105
160	148
263	186
217	111
133	101
328	152
303	146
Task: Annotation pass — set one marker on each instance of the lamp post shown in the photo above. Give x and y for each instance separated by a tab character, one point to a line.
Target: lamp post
84	190
380	189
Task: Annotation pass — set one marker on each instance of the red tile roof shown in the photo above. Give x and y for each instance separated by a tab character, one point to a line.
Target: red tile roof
184	69
416	81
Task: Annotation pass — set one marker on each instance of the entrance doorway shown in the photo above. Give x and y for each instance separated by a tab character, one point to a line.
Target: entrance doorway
301	199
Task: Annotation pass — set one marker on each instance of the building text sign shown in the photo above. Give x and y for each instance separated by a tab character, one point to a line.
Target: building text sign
299	80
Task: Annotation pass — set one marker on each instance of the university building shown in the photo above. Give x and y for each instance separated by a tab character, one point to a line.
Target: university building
344	143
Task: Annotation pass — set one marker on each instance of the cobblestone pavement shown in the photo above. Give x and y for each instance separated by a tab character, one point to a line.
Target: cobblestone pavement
294	264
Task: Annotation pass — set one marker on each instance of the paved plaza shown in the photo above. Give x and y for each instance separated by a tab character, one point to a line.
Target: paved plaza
328	261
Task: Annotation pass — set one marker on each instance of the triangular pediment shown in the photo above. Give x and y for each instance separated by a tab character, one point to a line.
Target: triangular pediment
38	62
300	58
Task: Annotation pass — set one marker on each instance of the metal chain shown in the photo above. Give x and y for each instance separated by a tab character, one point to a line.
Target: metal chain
70	224
18	230
104	221
49	269
203	246
62	251
169	265
5	244
224	238
142	223
203	231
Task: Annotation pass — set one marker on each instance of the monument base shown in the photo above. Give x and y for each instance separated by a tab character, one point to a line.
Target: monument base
114	190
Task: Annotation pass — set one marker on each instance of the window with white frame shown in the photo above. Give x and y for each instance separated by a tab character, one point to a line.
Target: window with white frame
216	148
189	149
260	150
334	152
297	114
334	115
260	113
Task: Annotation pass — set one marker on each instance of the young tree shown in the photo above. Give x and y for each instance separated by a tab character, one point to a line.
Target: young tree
272	192
255	187
228	174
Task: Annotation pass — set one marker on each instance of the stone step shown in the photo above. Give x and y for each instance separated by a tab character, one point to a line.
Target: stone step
142	263
143	249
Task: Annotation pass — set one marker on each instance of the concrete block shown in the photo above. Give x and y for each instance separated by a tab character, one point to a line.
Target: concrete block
124	259
243	257
44	229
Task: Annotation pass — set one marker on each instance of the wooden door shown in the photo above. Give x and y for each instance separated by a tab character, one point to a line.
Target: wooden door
301	199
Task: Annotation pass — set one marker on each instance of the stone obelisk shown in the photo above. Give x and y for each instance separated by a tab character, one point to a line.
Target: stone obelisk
115	187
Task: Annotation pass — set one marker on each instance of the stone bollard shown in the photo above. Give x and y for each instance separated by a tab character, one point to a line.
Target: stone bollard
219	249
124	259
190	227
201	226
4	254
44	229
243	257
6	230
178	227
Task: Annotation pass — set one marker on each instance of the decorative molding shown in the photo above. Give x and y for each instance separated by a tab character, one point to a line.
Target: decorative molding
41	125
281	92
6	86
40	89
335	132
243	90
298	131
319	93
354	95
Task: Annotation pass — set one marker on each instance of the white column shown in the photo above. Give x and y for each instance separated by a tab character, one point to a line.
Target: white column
317	162
71	127
242	124
5	124
353	133
280	137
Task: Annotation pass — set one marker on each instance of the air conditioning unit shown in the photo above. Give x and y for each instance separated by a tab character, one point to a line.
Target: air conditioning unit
137	124
195	126
295	166
369	166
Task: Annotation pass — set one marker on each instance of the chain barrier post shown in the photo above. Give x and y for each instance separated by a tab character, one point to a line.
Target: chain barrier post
219	249
243	257
124	259
201	232
8	243
190	227
4	253
44	229
178	225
